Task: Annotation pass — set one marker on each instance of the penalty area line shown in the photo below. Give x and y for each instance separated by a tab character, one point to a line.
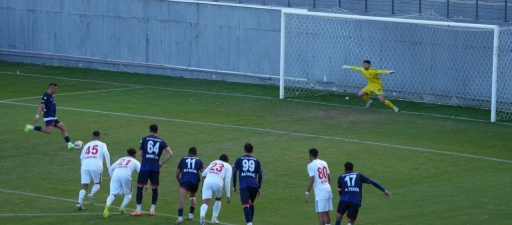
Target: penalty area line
279	132
52	214
71	200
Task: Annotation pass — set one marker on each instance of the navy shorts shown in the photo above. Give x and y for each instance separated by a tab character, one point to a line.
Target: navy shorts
52	122
248	195
151	175
352	209
189	186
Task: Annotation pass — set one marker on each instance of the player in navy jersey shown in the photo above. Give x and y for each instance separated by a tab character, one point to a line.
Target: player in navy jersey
188	175
350	188
151	148
50	115
251	176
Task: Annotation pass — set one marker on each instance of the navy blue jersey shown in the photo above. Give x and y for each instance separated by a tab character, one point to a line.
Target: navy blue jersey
50	108
191	169
350	186
249	168
152	147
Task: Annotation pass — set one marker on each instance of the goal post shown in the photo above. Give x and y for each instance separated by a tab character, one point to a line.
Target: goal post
436	61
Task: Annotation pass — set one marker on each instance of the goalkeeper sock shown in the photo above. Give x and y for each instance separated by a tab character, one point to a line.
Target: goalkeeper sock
365	98
110	199
389	104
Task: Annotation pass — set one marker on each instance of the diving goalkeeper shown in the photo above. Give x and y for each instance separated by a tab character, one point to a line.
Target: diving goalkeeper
374	83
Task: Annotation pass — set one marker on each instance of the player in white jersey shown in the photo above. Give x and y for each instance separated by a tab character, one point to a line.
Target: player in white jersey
320	178
218	175
92	167
121	180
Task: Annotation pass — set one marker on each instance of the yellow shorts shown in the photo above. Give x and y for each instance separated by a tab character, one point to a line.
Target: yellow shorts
373	89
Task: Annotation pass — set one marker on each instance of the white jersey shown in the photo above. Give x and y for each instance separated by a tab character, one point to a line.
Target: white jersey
93	154
318	168
124	167
218	172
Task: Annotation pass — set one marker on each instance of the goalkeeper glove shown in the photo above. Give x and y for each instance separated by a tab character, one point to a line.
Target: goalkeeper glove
391	71
345	67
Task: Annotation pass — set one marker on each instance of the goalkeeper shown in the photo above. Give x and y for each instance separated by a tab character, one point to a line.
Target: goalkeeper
374	83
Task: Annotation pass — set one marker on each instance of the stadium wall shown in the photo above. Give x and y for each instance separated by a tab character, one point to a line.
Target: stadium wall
148	36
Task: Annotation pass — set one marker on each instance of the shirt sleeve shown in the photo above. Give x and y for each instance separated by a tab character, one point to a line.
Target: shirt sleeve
107	155
356	68
137	165
112	168
163	145
205	172
382	72
363	178
311	170
227	180
179	165
44	99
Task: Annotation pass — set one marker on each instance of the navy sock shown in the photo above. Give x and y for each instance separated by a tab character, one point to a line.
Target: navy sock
139	195
247	214
37	128
180	212
338	222
251	207
67	139
192	209
155	196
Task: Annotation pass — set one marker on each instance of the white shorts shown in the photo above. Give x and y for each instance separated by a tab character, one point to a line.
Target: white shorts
121	185
88	175
323	205
212	189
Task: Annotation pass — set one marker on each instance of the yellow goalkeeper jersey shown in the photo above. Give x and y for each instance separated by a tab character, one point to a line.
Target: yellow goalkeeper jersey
371	75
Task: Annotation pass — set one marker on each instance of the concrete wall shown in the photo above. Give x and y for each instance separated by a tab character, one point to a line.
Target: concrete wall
209	37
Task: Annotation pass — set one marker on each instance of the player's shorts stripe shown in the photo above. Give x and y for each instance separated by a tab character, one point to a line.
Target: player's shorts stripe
351	218
49	118
183	188
245	205
154	185
339	214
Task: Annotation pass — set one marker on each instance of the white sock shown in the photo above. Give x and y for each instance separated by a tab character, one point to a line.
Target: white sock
31	127
95	188
204	208
250	223
139	207
216	209
153	206
110	199
81	196
126	200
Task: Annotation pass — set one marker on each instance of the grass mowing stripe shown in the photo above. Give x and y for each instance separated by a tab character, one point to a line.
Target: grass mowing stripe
253	96
279	132
70	200
72	93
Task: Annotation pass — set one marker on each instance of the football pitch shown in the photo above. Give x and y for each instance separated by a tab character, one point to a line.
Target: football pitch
441	169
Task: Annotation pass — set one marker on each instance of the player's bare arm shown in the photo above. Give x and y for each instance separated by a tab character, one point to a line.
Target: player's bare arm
167	157
178	173
387	194
308	189
39	110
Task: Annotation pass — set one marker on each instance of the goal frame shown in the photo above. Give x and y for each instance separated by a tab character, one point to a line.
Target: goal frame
494	28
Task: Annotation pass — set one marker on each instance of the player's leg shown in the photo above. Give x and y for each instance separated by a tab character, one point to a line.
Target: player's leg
115	188
352	213
85	178
380	93
142	180
245	198
342	209
207	194
327	214
127	190
193	190
252	198
96	176
154	178
364	93
218	203
62	127
48	128
183	191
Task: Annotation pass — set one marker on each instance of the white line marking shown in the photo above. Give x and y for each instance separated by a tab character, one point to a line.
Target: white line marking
53	214
253	96
70	200
278	132
72	93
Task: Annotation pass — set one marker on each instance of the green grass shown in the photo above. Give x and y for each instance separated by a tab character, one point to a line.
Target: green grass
425	161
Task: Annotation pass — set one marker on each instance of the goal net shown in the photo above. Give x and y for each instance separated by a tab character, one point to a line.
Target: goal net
436	61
